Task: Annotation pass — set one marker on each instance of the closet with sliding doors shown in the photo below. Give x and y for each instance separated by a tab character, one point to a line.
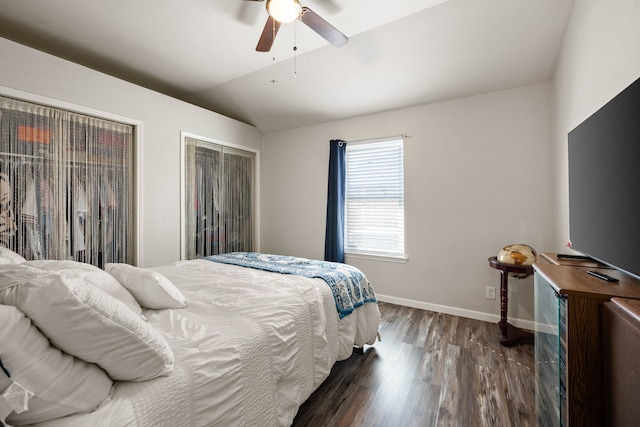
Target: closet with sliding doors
66	184
219	198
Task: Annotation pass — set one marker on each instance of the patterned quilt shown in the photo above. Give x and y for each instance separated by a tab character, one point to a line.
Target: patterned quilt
349	286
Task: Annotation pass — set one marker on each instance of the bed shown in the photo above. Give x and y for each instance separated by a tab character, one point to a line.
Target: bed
232	345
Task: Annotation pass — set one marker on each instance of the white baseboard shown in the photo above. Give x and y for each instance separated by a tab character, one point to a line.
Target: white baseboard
471	314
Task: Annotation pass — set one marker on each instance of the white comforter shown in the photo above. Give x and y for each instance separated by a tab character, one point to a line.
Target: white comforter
250	348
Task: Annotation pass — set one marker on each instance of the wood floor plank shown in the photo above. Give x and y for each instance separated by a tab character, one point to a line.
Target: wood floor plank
430	369
421	406
450	410
434	349
399	371
492	398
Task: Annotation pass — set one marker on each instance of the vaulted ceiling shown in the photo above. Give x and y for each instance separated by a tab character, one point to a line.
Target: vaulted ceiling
400	53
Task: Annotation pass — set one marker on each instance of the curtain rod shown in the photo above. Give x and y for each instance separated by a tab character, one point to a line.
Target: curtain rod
391	137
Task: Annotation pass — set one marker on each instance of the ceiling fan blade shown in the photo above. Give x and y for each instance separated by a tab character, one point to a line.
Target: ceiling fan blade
322	27
268	35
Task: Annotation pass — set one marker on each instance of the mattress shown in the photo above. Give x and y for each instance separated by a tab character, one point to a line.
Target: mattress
250	348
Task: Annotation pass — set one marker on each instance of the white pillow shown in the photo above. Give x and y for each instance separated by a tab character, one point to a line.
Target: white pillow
88	323
92	275
151	289
7	256
62	385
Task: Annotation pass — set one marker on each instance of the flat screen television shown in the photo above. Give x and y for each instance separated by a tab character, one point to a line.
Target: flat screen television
604	183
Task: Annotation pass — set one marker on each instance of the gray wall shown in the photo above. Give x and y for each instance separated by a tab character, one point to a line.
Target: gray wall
478	176
600	58
162	118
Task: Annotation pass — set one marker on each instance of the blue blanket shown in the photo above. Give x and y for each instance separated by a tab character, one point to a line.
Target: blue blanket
350	287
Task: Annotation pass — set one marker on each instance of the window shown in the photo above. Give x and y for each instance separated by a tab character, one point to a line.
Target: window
219	198
374	198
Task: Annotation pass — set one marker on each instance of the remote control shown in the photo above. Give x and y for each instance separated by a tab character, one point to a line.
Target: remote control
570	256
603	276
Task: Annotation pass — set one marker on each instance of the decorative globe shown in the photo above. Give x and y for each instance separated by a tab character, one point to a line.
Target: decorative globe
517	254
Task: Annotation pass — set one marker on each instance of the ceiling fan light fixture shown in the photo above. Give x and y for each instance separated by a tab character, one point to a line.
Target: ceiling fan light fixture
284	11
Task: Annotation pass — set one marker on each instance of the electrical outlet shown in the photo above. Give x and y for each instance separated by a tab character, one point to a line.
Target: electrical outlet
490	292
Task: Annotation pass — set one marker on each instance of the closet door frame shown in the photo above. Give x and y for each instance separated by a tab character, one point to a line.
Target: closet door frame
183	182
136	149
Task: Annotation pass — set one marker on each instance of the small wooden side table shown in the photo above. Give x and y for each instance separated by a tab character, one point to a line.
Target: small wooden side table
509	334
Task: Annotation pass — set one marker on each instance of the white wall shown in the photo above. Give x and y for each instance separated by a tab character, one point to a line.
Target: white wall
163	118
600	58
478	176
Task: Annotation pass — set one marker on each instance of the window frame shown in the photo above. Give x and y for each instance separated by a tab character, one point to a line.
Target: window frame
351	252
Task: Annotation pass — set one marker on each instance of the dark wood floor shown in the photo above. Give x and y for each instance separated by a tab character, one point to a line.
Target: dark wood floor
430	369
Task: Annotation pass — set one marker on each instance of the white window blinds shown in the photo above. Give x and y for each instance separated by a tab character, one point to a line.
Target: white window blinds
374	199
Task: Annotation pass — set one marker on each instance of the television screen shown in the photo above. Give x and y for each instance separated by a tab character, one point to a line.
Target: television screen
604	183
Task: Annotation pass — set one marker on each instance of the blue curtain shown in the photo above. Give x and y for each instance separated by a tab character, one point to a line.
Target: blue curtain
334	236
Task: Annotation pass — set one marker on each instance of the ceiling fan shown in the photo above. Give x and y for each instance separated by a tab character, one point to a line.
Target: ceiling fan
285	11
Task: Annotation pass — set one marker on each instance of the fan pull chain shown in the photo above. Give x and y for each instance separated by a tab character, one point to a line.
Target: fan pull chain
273	64
295	50
273	67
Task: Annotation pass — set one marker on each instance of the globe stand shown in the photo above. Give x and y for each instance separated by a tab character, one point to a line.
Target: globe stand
509	334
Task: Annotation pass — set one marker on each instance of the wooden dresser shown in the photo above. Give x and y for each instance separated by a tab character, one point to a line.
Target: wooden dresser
622	362
569	319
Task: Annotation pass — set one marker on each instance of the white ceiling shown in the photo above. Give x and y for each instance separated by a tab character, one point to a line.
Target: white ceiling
400	53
